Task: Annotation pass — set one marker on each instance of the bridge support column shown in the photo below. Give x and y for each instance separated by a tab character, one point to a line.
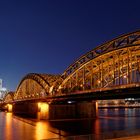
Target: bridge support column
87	109
46	111
9	107
25	109
43	111
73	111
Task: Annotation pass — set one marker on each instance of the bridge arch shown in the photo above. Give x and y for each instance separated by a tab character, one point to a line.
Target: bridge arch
9	97
35	85
116	62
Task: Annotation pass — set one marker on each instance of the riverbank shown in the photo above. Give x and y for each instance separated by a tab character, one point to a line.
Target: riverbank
120	106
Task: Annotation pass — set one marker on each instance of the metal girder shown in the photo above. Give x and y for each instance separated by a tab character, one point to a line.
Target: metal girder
35	85
116	62
117	43
9	97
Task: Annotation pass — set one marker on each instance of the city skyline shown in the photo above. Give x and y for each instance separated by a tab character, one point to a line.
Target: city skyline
47	36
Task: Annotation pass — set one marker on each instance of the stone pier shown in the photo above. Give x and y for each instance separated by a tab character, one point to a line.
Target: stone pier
25	109
43	110
72	111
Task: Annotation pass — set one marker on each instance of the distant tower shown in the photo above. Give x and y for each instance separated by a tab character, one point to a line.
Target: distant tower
3	90
0	84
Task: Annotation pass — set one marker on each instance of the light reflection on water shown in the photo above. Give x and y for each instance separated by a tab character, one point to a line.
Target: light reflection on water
43	132
109	120
120	119
12	128
8	126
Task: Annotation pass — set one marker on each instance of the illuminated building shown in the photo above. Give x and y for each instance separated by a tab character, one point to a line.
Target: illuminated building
3	90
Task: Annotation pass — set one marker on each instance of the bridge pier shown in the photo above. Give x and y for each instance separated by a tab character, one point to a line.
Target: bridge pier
9	107
43	111
73	111
25	109
46	111
6	107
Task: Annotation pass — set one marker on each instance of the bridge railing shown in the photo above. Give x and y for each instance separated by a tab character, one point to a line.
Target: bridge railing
105	88
80	90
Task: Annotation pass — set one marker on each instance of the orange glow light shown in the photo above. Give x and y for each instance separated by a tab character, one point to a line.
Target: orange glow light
9	107
43	109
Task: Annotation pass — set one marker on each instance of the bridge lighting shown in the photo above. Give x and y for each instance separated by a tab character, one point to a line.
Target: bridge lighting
51	89
60	87
9	107
124	76
99	81
129	99
43	107
39	104
69	102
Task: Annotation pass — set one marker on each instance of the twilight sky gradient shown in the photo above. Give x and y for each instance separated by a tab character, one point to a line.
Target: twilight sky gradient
46	36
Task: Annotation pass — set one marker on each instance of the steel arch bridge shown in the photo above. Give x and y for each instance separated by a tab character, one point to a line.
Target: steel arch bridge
115	63
35	85
9	97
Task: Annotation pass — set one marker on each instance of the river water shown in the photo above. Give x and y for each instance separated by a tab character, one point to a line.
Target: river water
121	122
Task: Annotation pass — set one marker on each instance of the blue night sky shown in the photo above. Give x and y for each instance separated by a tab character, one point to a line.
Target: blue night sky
46	36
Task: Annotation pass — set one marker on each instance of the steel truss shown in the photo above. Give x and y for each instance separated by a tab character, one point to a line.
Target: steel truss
114	63
35	85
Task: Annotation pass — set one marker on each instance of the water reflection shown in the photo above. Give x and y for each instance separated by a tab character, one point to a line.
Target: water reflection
14	128
120	119
43	132
8	126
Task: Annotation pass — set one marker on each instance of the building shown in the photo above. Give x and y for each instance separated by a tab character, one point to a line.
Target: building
3	90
